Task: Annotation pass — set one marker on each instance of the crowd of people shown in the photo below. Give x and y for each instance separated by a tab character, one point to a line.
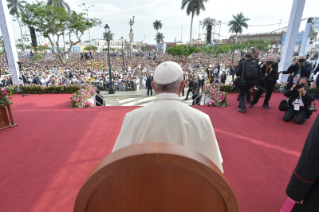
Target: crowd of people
134	72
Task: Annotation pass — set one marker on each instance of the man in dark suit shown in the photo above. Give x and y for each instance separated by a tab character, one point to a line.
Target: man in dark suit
99	100
190	87
223	77
303	187
269	75
24	79
149	85
299	101
300	68
36	80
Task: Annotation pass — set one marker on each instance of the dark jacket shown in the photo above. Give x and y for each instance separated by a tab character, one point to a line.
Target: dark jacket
99	100
240	69
223	78
197	101
304	182
191	84
272	76
36	81
304	71
306	99
149	82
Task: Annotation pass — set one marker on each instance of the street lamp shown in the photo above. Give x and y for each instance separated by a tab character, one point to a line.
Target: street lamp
123	51
108	32
86	8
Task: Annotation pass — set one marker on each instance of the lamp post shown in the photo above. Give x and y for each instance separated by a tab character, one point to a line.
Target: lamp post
123	51
108	32
264	47
86	8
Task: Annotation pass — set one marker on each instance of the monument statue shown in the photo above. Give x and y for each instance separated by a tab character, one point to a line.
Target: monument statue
131	23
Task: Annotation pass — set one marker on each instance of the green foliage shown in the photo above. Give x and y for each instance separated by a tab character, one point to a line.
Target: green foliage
15	6
182	50
157	24
111	49
36	57
20	46
236	25
59	3
43	48
108	36
87	48
159	38
259	44
206	49
56	21
39	89
219	49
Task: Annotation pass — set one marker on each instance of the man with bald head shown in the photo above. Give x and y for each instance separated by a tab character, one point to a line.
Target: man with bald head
300	68
169	120
269	76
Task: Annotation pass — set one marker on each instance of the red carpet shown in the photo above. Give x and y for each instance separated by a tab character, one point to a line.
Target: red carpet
45	160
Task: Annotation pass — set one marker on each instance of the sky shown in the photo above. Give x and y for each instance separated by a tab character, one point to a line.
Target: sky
176	23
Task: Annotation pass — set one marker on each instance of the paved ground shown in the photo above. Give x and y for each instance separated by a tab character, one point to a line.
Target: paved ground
134	98
138	98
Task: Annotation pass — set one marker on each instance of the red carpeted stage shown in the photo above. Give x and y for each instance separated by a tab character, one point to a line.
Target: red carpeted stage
45	160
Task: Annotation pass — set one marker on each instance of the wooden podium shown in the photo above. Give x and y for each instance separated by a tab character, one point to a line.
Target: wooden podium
6	117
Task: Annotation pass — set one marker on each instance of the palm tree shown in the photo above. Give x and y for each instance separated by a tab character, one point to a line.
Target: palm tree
157	25
59	3
110	36
208	22
193	7
15	7
159	38
236	26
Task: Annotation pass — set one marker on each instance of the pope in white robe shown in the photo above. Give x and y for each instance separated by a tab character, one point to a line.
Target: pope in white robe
169	120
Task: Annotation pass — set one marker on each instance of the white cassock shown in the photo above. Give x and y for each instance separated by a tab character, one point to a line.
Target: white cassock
169	120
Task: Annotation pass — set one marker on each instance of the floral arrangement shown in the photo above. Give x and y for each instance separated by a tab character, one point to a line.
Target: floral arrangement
4	98
39	89
87	94
211	92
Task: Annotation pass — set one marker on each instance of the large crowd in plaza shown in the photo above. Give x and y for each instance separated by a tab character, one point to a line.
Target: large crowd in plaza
130	73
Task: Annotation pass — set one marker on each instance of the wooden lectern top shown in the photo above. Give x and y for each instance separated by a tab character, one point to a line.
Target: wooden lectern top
156	177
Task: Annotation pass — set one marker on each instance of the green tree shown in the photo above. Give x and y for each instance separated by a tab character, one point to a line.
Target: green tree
20	46
220	49
55	22
15	7
182	50
87	48
157	25
193	7
236	26
111	35
259	44
159	38
59	3
43	48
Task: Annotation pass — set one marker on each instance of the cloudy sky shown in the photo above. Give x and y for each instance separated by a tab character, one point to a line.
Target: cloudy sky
176	23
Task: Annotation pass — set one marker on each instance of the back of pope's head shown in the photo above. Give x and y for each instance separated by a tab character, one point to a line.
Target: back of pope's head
168	78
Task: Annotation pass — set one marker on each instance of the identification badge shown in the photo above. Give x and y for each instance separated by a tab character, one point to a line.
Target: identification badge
296	107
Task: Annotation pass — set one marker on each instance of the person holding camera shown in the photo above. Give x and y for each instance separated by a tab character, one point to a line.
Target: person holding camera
269	76
300	98
300	68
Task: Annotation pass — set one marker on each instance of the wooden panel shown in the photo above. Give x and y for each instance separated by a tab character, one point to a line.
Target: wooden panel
4	120
156	177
